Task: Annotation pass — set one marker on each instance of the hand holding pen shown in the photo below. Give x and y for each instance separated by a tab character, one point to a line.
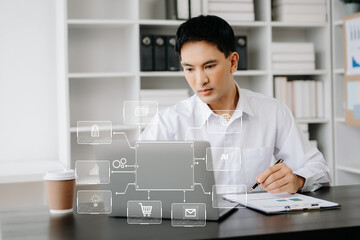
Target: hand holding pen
279	178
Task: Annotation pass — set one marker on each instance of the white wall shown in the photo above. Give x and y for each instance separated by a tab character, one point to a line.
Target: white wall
29	98
28	80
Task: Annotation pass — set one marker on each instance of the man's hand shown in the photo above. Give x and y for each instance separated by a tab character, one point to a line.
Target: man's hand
279	178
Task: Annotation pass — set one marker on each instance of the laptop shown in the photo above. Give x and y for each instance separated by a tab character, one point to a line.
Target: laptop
167	179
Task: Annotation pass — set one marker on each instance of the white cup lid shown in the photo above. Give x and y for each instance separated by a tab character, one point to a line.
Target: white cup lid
65	174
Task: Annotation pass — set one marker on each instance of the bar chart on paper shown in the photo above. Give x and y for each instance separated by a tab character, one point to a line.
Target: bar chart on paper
353	46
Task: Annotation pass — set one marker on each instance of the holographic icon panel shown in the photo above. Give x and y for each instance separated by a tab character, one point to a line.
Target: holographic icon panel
94	202
139	112
223	159
144	212
188	214
223	123
92	171
94	132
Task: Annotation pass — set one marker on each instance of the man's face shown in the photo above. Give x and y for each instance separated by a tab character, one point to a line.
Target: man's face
207	70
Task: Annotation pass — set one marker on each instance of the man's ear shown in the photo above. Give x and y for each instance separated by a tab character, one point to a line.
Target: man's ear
234	59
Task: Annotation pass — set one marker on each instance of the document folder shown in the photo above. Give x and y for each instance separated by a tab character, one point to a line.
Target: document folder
146	53
173	63
280	203
160	53
241	49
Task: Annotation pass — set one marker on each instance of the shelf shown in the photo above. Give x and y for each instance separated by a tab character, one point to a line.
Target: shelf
298	24
339	71
116	127
340	120
99	23
350	169
165	22
312	120
101	75
251	73
157	22
181	73
249	24
176	23
162	74
338	23
297	72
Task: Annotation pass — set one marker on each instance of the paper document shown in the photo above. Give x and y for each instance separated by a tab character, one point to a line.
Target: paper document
278	203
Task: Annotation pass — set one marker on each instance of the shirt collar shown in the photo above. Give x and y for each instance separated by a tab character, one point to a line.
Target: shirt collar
205	110
242	106
243	103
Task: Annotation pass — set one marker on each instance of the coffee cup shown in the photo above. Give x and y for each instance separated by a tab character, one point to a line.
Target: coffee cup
60	189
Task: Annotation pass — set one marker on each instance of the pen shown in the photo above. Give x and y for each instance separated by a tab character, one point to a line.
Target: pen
303	208
256	184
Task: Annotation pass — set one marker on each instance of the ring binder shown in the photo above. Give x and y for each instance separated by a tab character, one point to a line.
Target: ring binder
241	46
172	58
146	53
159	53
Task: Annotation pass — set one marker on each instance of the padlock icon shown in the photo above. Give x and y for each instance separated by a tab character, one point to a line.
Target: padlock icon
95	131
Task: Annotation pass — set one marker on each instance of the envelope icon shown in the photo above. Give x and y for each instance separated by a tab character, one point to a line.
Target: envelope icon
190	212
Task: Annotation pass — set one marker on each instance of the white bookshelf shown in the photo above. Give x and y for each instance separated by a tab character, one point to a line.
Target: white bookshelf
103	60
346	138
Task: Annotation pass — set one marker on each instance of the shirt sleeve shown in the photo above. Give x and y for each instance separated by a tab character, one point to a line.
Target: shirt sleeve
298	153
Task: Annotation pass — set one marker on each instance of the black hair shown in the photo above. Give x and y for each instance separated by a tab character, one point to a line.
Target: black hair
208	28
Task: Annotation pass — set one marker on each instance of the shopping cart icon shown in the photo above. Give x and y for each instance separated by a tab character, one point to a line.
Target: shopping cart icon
146	210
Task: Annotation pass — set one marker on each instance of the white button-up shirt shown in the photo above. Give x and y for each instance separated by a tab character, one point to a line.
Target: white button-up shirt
260	128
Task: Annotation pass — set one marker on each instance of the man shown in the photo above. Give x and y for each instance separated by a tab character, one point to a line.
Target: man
233	118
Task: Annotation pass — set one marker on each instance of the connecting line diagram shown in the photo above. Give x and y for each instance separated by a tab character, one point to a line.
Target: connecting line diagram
215	129
152	156
224	123
117	163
